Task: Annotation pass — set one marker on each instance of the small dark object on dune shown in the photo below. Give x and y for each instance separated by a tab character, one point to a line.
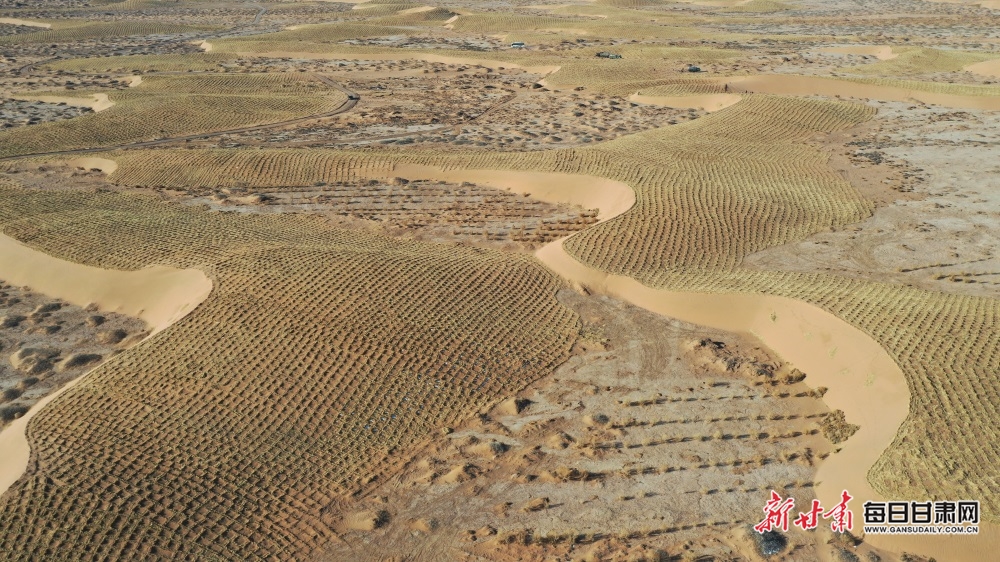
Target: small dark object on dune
770	542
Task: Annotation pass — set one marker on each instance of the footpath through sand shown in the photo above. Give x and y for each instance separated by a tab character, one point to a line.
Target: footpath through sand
863	379
157	295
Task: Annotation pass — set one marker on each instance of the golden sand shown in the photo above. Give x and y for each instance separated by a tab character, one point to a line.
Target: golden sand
158	295
707	102
97	102
15	21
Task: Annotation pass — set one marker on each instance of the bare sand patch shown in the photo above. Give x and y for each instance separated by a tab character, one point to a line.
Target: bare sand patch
707	102
158	295
134	81
417	10
881	52
989	68
91	163
793	85
205	46
611	197
16	21
97	102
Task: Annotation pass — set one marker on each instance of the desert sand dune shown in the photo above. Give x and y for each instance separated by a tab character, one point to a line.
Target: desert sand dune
986	68
15	21
158	295
611	197
863	380
98	102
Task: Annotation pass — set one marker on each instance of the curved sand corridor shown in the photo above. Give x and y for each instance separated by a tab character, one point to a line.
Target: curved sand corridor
610	197
158	295
863	379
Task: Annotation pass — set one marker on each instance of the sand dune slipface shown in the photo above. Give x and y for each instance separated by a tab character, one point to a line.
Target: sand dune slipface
29	23
158	295
612	198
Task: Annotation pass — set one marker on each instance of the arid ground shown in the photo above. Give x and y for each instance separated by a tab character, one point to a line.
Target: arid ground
495	279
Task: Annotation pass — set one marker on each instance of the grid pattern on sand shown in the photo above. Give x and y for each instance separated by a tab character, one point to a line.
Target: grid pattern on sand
320	356
711	191
96	30
167	106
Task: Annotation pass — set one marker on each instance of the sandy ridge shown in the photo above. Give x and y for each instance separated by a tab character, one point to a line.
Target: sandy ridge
707	102
989	68
158	295
97	102
15	21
